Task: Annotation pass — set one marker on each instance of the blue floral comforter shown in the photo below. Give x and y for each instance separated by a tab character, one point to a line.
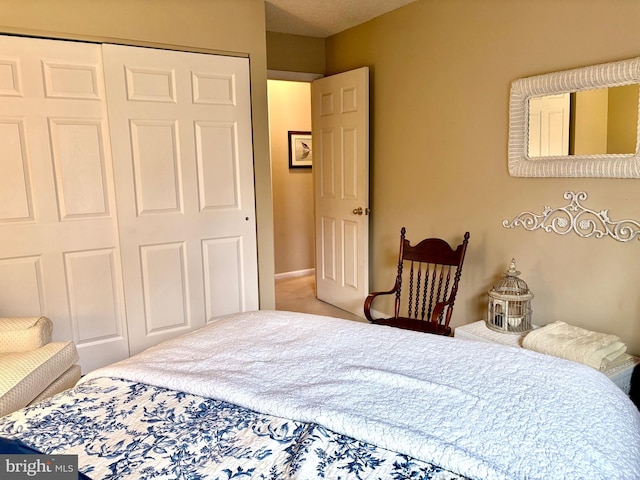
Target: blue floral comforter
122	429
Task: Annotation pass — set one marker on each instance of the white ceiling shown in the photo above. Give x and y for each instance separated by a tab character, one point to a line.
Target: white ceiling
323	18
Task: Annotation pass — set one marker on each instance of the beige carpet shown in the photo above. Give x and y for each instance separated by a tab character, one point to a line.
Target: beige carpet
297	294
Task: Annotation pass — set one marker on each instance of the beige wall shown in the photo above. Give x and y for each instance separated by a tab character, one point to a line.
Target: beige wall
591	113
606	120
290	109
622	119
295	53
440	77
225	26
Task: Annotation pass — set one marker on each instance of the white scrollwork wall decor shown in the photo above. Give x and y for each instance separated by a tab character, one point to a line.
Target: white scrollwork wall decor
576	218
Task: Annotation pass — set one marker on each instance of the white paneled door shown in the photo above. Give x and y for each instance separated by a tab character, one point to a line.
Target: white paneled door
549	119
166	140
340	118
59	247
184	181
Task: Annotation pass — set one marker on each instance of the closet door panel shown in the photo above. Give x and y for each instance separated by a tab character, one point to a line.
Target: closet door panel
156	167
217	171
181	137
164	281
16	201
21	289
59	248
79	167
223	283
92	278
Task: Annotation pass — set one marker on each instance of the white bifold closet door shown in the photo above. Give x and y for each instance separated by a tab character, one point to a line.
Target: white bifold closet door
126	208
59	245
183	164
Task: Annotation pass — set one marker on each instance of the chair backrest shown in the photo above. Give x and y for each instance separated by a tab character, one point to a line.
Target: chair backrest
427	280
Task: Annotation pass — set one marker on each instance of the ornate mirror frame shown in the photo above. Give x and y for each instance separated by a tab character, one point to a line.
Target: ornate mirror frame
612	74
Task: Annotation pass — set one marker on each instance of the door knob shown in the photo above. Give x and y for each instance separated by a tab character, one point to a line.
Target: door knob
357	211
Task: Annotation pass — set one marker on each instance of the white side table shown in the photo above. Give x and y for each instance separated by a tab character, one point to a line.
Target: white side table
478	331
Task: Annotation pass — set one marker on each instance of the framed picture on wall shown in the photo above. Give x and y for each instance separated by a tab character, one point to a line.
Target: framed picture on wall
300	149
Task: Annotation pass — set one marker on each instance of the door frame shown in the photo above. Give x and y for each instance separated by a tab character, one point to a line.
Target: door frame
300	77
305	78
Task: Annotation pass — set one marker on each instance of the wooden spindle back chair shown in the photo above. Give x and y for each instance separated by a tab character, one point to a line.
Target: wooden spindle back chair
424	301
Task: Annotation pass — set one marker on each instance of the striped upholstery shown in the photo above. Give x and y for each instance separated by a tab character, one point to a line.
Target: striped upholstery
22	334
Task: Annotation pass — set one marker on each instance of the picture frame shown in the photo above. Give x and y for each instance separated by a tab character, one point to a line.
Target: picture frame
300	149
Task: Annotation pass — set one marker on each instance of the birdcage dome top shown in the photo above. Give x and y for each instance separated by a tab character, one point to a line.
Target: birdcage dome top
511	285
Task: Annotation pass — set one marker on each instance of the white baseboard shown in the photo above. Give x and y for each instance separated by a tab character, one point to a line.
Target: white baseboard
297	273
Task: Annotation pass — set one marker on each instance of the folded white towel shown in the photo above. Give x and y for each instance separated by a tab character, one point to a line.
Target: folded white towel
560	339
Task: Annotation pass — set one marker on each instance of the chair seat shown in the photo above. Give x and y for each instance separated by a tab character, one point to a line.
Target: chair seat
64	382
25	375
413	324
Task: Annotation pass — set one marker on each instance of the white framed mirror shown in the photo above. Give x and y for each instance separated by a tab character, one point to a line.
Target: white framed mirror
577	123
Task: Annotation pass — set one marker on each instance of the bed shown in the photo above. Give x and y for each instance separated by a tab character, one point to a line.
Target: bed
277	395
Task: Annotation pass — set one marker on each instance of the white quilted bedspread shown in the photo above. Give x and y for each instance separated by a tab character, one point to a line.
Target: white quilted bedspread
481	410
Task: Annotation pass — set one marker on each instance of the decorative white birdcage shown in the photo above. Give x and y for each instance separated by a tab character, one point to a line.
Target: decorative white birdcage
509	309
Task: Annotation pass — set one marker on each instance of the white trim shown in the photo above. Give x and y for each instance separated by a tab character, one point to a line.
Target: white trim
293	76
297	273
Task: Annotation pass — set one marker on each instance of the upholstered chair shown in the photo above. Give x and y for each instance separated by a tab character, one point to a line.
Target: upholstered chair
32	367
